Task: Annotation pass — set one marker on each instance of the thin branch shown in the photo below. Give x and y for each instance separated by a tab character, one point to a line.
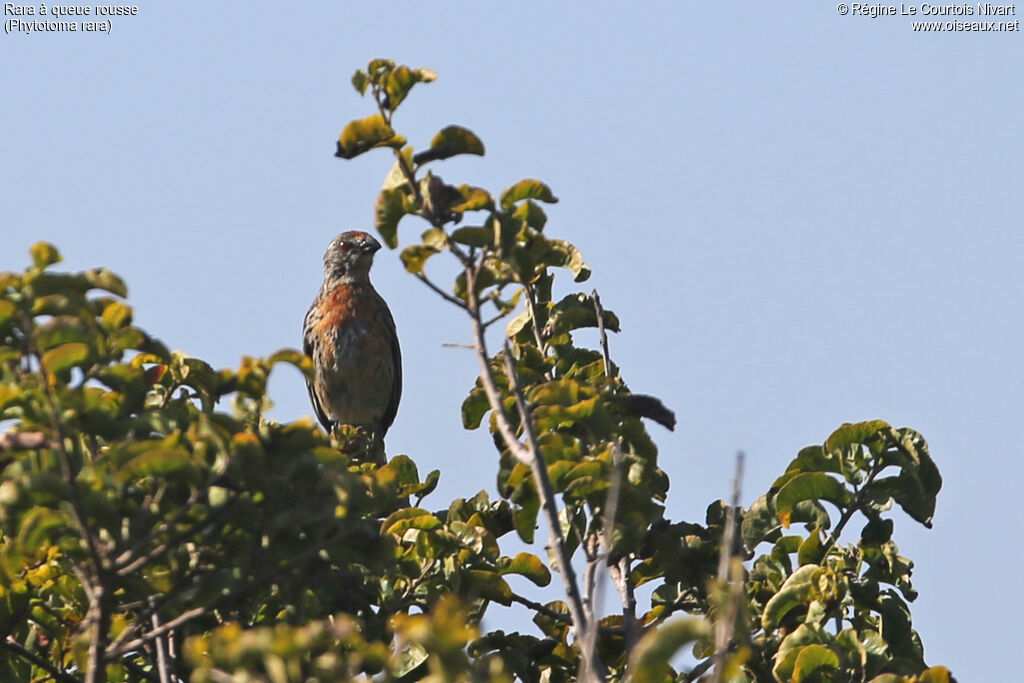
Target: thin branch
98	614
490	321
518	451
619	571
698	671
161	653
725	625
599	310
174	623
594	666
532	309
559	616
55	673
131	566
529	455
122	645
848	514
443	294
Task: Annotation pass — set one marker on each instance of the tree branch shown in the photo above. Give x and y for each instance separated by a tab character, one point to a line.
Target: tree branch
55	673
849	512
440	292
594	666
725	626
599	310
530	456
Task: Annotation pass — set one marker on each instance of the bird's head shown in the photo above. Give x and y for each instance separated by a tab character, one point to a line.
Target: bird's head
349	256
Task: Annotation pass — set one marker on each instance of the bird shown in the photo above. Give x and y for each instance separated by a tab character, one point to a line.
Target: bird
350	335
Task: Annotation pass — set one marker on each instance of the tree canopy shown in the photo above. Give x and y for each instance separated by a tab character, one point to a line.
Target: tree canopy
156	526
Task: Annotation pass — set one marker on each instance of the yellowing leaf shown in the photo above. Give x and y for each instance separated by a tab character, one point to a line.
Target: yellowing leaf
529	566
7	311
44	254
414	257
365	134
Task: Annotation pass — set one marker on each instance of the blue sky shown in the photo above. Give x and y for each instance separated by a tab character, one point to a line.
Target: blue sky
801	219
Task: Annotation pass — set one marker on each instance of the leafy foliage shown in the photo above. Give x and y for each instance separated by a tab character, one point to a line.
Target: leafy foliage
149	534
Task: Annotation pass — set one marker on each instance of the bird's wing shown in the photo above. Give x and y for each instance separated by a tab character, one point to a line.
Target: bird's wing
309	348
396	385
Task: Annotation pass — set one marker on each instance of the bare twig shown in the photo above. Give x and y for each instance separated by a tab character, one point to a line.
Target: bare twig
161	654
725	626
531	307
559	616
443	294
599	310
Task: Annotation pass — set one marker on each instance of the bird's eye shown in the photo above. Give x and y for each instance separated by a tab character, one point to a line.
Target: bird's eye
344	246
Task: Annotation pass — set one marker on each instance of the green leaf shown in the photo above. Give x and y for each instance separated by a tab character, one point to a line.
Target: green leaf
363	135
406	470
155	461
391	206
529	566
795	591
62	330
856	433
422	489
810	550
39	526
488	585
473	199
474	408
44	254
101	278
525	518
907	490
409	518
577	311
808	486
474	236
414	257
650	659
811	659
360	79
409	660
530	213
401	80
571	258
65	357
758	522
449	142
295	358
527	189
